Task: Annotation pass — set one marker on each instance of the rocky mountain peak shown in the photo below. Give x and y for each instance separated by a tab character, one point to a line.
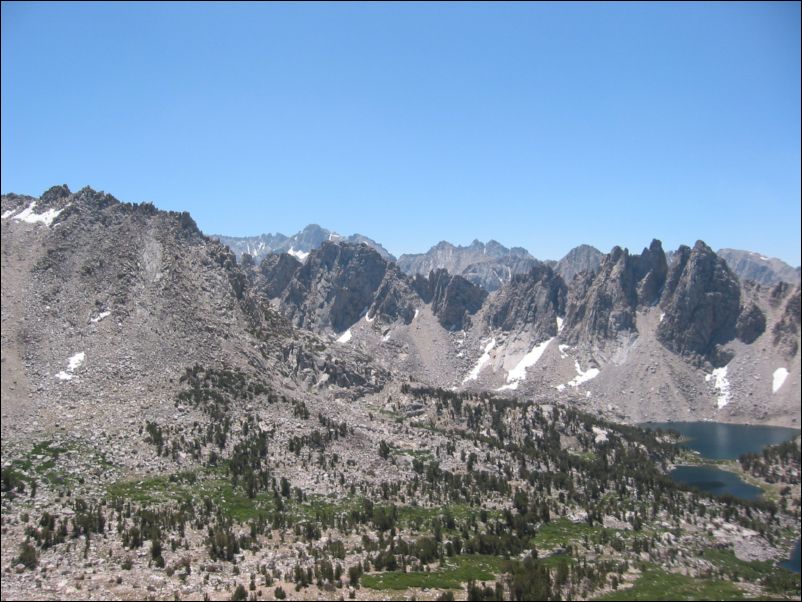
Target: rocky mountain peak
531	301
454	299
701	302
583	258
766	271
603	305
54	194
488	265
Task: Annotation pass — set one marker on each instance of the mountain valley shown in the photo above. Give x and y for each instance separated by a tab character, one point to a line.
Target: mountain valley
186	416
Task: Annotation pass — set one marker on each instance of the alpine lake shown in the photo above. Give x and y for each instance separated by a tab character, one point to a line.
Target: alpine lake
720	441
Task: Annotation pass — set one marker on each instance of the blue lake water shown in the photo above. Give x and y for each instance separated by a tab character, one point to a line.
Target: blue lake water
793	563
715	481
719	441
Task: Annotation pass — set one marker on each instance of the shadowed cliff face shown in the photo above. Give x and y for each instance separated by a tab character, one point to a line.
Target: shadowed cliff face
786	330
701	302
531	301
602	305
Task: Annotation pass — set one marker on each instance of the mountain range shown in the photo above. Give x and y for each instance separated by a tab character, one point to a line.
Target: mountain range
491	265
698	341
180	421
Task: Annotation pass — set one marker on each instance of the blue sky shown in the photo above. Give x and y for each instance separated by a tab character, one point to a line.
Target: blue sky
539	125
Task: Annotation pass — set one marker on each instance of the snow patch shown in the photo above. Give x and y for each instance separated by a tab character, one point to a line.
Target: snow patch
662	315
779	376
563	351
28	216
474	374
72	365
527	361
721	384
582	377
8	213
560	388
299	255
368	319
100	316
416	314
345	337
75	361
511	386
560	322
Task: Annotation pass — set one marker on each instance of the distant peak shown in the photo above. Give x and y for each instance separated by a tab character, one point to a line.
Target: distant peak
55	193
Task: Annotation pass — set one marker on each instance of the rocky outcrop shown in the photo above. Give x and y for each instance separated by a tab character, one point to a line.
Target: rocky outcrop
786	330
602	305
276	271
395	298
531	302
751	323
453	298
766	271
701	303
334	287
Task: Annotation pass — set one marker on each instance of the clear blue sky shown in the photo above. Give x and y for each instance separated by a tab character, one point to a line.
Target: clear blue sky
539	125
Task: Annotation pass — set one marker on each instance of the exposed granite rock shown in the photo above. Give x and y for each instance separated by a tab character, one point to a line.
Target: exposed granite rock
334	287
487	265
277	270
701	302
453	299
767	271
395	298
751	323
786	330
492	275
583	258
531	301
602	305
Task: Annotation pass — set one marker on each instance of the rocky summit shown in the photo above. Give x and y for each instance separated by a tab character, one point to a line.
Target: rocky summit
190	417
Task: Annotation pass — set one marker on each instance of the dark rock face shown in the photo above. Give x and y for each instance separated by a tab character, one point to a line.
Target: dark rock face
751	323
786	330
766	271
650	270
339	282
334	287
701	302
394	298
277	271
583	258
53	195
532	301
453	298
602	305
778	292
